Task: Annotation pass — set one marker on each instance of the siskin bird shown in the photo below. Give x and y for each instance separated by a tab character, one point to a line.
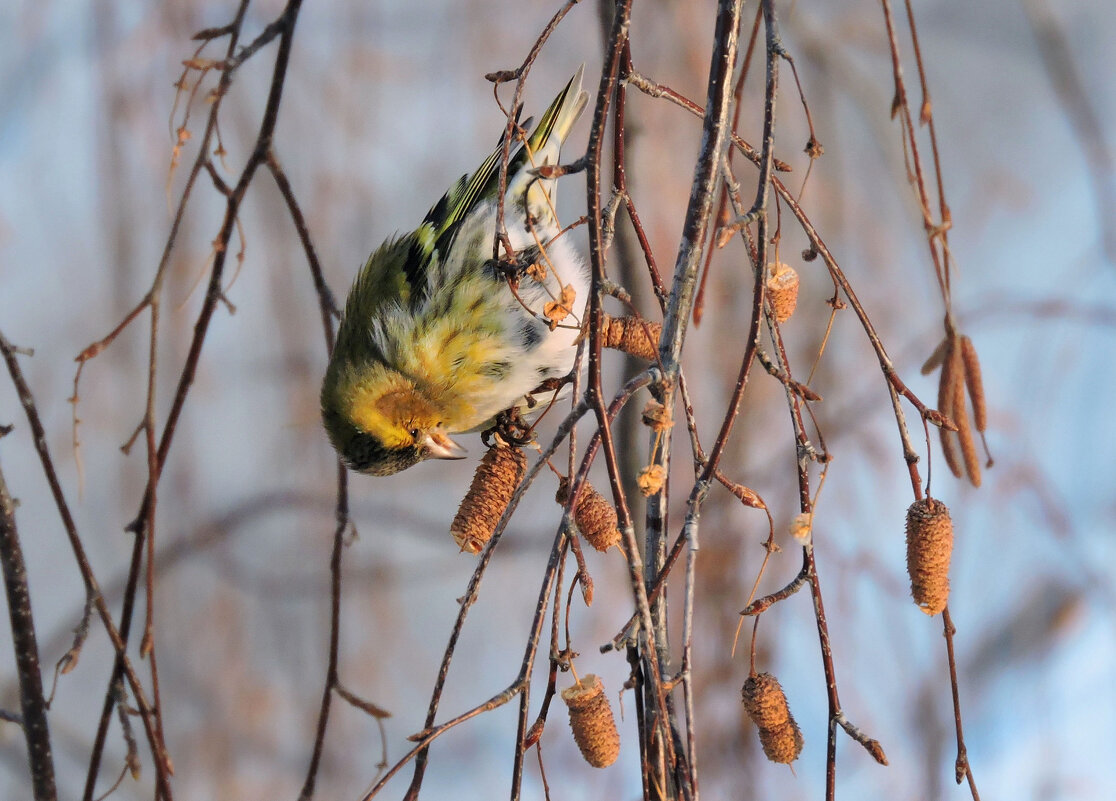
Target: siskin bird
437	337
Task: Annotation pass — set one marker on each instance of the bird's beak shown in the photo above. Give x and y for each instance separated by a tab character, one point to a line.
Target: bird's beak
438	445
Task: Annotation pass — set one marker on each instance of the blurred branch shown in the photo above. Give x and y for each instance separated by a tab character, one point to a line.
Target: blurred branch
32	704
519	75
656	731
1058	57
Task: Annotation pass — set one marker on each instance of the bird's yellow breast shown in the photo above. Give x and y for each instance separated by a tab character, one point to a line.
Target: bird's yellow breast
455	359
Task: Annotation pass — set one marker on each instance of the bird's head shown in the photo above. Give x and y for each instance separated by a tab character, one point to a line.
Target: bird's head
380	423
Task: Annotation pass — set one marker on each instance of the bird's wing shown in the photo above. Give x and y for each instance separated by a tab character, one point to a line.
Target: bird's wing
401	272
447	214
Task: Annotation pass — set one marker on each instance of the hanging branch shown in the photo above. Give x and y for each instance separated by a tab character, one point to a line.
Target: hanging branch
158	447
655	726
92	589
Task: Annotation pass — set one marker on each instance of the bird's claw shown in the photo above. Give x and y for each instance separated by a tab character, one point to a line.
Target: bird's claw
511	428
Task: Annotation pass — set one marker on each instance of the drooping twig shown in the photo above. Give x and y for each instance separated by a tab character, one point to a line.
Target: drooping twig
92	589
962	769
331	681
636	575
159	446
519	75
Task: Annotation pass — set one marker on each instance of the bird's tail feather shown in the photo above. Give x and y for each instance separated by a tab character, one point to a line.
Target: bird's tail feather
561	115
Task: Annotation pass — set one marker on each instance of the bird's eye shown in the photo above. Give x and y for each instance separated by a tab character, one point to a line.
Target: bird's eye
414	432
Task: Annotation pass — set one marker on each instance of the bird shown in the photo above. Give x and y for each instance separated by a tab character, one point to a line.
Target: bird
437	337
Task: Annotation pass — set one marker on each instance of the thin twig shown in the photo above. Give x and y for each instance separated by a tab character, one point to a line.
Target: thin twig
92	589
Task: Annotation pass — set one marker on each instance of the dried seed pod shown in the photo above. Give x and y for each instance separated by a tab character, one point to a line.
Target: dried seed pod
656	416
766	704
975	383
594	728
801	528
782	291
929	546
948	383
651	479
594	515
497	476
628	334
558	310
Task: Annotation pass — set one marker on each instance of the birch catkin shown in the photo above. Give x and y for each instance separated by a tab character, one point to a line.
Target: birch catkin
498	474
975	383
964	428
594	516
948	384
929	548
594	728
782	291
766	704
633	335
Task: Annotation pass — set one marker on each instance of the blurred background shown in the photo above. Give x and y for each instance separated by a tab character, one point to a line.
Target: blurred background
385	105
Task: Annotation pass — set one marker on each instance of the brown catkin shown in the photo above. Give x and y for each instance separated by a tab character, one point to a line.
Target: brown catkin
929	546
594	515
947	393
975	383
782	744
766	704
497	476
628	334
594	728
935	359
782	291
764	701
964	429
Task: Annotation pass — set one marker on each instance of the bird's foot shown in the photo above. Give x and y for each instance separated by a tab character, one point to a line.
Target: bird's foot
510	427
